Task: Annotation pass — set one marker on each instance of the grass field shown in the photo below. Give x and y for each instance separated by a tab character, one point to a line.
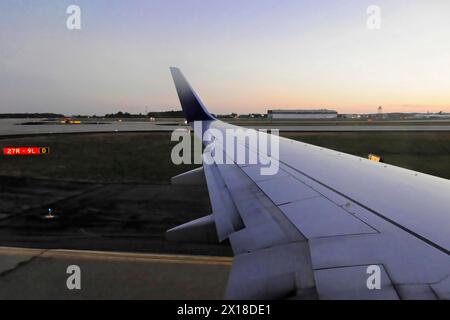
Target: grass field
427	152
145	157
97	157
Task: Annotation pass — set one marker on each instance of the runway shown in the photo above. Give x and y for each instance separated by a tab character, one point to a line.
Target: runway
355	128
42	274
14	127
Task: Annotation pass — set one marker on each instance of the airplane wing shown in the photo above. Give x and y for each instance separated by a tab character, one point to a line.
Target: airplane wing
326	225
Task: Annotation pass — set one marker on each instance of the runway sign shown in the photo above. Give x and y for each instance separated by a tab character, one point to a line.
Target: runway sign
25	151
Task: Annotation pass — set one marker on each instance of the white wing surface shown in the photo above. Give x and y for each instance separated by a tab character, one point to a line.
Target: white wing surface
327	225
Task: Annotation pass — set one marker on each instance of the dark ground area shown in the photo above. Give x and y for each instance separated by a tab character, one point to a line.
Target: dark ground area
111	191
112	217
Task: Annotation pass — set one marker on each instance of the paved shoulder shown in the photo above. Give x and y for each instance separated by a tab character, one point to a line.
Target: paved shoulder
43	274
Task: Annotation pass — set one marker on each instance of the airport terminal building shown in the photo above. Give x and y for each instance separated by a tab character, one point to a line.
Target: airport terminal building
302	114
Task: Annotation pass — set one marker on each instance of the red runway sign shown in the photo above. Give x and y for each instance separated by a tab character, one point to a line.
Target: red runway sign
25	151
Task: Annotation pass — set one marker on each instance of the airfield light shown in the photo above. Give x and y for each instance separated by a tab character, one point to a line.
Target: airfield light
375	158
49	215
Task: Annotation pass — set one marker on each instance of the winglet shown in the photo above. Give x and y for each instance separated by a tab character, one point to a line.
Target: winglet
193	108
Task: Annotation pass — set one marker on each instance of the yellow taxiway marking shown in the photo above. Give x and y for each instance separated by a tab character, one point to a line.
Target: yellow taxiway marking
119	256
20	251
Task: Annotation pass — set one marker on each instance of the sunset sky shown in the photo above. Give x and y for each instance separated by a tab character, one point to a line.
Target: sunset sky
240	55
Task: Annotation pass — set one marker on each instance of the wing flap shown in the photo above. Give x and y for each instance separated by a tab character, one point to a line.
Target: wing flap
260	275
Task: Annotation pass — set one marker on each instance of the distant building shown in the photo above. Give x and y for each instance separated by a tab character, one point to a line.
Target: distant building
439	115
302	114
251	116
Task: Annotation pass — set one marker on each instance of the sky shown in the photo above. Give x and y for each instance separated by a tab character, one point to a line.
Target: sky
240	56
